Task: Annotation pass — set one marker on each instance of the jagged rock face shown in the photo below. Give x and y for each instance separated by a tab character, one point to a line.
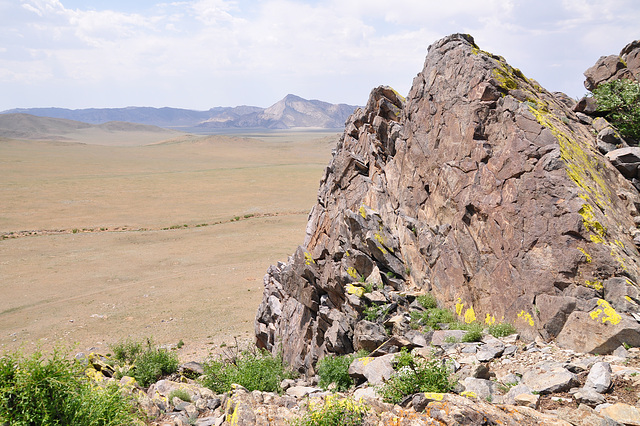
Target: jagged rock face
482	188
614	67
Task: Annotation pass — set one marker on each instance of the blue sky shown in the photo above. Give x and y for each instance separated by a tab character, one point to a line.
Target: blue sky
200	54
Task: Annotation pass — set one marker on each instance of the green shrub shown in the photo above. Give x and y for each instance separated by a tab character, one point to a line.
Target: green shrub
418	376
335	412
179	393
502	329
427	301
154	363
619	100
55	391
432	318
127	351
253	369
144	362
335	369
472	336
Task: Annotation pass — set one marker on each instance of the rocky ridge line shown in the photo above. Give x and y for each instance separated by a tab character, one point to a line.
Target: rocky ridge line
482	188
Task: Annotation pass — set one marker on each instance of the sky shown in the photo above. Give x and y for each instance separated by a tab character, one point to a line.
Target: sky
199	54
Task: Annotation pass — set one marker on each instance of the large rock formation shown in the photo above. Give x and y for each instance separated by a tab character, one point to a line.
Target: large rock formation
614	67
482	188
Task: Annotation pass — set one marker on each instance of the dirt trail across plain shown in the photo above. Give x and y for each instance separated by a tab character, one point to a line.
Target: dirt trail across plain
170	241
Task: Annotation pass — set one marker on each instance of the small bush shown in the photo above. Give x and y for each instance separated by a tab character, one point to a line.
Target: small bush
335	412
179	393
427	301
55	391
619	100
144	362
126	352
502	329
154	363
335	369
417	376
472	336
432	318
253	369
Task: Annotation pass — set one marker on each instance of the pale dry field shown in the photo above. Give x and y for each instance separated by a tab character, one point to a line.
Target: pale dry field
101	243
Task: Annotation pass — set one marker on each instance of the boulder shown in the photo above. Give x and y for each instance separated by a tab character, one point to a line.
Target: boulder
622	413
585	416
599	378
373	370
626	160
545	378
368	335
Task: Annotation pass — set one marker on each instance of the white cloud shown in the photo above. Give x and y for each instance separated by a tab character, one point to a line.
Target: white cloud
199	53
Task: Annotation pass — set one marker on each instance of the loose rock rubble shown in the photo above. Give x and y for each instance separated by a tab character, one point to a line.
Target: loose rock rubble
523	384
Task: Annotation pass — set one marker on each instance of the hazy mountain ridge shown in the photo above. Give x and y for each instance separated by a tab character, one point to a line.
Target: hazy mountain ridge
291	111
31	127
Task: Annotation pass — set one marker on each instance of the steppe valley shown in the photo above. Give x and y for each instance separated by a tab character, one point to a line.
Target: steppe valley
109	235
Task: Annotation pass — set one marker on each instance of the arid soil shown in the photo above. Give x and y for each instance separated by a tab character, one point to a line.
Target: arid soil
167	241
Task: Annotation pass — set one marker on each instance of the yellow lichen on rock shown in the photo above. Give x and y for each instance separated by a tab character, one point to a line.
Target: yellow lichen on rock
366	360
436	396
308	259
352	272
596	285
586	255
607	312
363	212
353	289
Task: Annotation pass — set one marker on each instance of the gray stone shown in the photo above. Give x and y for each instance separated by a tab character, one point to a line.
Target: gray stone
586	105
509	397
552	378
589	397
585	416
368	335
490	350
599	378
527	400
483	389
302	391
373	370
623	413
444	337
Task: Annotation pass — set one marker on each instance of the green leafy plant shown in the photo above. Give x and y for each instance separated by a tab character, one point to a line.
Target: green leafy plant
619	100
335	369
432	318
181	394
416	375
427	301
55	391
154	363
254	369
145	362
502	329
335	412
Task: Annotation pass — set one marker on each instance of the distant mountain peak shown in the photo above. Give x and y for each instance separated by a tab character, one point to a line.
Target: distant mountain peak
291	111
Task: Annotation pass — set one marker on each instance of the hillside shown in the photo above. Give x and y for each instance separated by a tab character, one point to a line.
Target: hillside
31	127
290	112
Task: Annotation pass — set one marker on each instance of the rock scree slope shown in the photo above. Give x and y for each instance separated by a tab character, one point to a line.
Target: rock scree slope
482	188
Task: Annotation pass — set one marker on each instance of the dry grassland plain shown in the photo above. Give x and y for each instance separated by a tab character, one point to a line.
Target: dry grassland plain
170	240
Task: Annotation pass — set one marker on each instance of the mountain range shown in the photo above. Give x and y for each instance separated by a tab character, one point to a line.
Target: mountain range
290	112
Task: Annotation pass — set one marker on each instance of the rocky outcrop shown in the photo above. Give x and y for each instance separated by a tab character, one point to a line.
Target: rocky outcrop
614	67
482	188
